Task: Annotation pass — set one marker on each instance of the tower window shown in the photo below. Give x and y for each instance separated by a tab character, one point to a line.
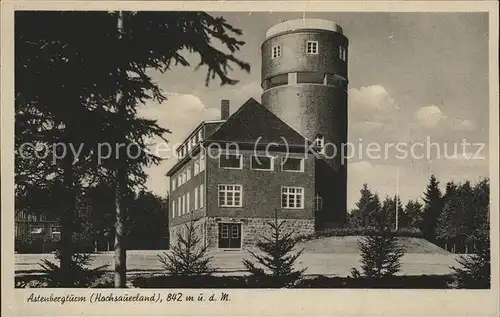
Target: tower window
276	52
312	47
342	53
318	202
319	141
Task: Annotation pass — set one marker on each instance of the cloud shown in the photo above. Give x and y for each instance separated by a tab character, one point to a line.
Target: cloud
429	116
180	114
367	102
432	117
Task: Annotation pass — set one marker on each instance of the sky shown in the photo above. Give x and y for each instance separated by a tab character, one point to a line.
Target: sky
413	78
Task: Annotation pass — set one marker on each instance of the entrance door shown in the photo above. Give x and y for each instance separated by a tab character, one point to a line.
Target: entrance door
229	235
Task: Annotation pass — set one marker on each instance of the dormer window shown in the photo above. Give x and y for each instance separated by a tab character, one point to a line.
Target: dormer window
342	53
276	51
312	47
319	141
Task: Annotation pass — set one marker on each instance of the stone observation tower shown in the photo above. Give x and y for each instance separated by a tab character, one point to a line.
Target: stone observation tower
304	81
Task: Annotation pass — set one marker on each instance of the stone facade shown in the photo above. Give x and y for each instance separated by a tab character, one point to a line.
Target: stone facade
251	229
182	229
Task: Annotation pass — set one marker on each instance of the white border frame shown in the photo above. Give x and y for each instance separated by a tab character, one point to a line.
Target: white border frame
254	302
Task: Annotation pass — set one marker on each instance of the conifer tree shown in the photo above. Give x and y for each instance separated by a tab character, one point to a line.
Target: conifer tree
278	258
413	214
367	206
188	256
67	86
433	206
380	252
474	270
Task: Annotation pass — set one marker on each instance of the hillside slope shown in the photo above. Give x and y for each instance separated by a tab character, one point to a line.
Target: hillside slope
348	245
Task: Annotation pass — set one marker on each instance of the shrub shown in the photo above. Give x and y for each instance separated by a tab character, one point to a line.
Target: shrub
278	258
81	273
187	258
359	231
475	270
380	254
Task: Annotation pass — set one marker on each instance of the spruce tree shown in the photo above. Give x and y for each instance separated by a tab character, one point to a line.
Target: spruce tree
475	269
67	86
188	256
359	216
433	206
380	252
278	258
413	214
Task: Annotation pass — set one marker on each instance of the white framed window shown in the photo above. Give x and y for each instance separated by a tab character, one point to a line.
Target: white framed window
188	209
179	180
173	209
193	142
173	183
200	135
262	163
184	177
202	163
292	197
230	195
319	141
188	146
232	161
179	206
312	47
196	167
202	198
188	173
318	202
184	204
342	53
292	164
196	202
276	51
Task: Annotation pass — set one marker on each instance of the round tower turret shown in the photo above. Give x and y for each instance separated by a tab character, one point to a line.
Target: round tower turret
305	82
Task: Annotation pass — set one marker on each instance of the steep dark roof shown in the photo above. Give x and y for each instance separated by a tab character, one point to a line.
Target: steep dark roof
253	121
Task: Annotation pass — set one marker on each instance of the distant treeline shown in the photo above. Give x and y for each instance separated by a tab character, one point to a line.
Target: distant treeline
454	219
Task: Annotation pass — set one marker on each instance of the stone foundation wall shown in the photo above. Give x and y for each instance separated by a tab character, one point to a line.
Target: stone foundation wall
253	228
199	229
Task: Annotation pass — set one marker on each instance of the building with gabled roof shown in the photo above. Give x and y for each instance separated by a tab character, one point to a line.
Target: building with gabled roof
283	155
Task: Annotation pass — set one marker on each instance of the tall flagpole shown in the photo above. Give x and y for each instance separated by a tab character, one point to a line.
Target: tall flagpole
397	196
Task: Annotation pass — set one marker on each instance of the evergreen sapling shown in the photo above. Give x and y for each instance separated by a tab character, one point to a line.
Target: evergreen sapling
278	258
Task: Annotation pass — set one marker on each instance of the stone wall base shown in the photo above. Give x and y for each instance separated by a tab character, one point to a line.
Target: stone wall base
252	229
199	226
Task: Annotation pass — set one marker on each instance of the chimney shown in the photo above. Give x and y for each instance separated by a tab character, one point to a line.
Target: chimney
224	109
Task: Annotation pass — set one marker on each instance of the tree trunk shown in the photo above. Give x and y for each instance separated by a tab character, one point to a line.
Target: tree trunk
67	221
120	186
120	250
